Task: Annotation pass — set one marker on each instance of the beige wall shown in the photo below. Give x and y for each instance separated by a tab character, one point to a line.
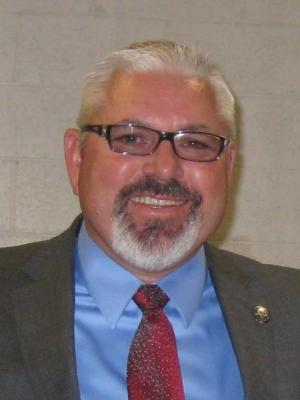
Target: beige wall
47	47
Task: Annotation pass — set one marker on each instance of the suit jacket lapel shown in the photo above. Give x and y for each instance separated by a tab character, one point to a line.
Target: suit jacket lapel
44	316
253	342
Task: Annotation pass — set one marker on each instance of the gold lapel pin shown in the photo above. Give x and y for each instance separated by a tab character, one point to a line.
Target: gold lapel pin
261	314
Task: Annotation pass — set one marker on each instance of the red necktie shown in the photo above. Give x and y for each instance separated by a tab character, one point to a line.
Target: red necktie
153	371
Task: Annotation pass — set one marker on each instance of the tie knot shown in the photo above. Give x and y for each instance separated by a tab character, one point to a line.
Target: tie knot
150	297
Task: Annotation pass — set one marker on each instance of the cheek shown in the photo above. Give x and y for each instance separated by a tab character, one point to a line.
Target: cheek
117	171
210	181
102	177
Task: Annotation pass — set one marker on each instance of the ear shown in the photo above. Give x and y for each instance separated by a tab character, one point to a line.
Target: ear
231	160
73	156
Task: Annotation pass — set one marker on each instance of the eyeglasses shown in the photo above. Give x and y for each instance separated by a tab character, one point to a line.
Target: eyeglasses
139	140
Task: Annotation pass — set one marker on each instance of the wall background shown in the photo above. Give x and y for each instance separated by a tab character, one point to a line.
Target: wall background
47	47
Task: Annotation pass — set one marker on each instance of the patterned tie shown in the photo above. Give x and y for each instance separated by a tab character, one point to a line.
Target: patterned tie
153	371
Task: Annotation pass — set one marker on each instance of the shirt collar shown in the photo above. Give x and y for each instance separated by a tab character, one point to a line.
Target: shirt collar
104	277
185	286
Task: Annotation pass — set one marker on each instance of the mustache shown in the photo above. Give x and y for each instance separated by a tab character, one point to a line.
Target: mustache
152	186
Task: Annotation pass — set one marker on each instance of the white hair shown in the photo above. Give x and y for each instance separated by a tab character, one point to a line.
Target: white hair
156	56
152	255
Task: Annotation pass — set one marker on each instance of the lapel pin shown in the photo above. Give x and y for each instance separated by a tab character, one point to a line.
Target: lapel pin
261	314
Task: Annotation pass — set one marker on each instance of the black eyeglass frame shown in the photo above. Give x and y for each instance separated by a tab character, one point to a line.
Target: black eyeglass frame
105	131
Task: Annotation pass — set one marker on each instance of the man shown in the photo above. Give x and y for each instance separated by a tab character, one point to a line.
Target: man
151	162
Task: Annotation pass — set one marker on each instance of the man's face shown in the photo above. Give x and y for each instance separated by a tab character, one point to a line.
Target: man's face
152	212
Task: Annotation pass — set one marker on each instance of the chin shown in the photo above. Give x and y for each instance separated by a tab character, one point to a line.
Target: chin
155	250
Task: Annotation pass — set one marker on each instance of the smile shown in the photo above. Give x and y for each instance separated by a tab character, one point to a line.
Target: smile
154	202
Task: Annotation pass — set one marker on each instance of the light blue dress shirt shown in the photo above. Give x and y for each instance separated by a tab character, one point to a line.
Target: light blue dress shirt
106	319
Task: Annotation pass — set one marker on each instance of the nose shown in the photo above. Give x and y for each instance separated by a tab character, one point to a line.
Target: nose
163	164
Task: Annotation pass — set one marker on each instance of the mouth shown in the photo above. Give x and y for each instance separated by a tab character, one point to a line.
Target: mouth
156	202
155	199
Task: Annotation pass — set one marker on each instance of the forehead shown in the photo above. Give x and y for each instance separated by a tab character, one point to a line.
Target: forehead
166	101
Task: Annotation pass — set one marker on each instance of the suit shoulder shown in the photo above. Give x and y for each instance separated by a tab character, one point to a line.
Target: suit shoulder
253	268
12	258
8	255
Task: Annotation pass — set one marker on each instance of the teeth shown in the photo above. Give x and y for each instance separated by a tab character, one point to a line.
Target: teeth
151	201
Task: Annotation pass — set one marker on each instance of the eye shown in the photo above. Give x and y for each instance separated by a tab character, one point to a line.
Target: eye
193	143
196	144
131	139
125	138
128	138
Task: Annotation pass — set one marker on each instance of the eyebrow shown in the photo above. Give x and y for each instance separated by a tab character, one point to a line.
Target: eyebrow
191	127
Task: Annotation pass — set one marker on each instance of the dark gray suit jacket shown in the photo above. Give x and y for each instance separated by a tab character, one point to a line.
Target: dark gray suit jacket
37	359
